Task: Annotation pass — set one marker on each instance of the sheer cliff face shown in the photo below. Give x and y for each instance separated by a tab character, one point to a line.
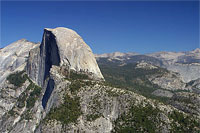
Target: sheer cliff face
61	47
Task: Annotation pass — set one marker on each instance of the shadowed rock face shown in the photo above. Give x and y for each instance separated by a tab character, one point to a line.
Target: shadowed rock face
42	58
61	47
49	55
74	52
48	92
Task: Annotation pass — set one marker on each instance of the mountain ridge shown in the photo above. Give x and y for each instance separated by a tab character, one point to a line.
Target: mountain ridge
52	91
185	63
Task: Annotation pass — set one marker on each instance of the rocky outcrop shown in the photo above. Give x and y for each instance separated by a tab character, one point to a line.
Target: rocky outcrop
144	65
187	102
163	93
187	64
9	95
195	83
188	72
61	47
169	81
13	57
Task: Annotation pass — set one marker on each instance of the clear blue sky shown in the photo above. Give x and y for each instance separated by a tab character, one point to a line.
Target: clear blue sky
142	27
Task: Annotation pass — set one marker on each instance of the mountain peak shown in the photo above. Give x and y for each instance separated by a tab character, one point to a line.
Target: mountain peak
59	29
13	57
23	40
197	50
62	47
62	33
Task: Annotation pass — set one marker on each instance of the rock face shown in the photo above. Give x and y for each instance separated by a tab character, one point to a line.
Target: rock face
48	97
61	47
187	102
65	49
163	93
188	72
169	81
14	56
185	63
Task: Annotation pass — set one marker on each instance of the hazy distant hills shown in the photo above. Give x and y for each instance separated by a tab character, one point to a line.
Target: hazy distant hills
179	57
171	57
185	63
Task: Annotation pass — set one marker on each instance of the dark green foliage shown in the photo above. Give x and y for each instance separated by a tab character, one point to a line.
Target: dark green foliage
112	93
164	100
22	100
185	123
17	79
27	115
89	83
75	75
12	112
36	91
33	95
95	106
67	112
131	78
30	102
31	86
128	76
138	119
92	117
187	100
79	81
29	99
75	86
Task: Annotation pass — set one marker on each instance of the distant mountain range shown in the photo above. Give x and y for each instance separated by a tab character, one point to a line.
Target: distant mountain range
185	63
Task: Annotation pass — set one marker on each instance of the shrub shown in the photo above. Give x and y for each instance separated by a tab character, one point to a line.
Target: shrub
186	123
21	100
92	117
75	75
12	112
138	119
68	112
75	86
33	95
17	79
